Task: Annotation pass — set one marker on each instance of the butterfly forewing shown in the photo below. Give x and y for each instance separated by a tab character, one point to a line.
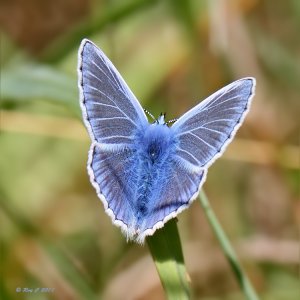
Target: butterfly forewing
112	114
204	132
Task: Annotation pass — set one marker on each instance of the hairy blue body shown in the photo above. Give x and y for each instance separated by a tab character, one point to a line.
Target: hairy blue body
155	148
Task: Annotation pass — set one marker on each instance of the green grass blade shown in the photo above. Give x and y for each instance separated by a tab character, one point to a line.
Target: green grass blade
165	248
237	269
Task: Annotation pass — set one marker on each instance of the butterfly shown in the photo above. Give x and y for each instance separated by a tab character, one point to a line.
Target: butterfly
145	174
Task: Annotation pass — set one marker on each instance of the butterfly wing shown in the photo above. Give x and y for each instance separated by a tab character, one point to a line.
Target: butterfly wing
114	178
111	112
202	135
177	189
113	117
204	132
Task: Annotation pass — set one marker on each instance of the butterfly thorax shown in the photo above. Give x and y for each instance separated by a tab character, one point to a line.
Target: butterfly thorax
156	142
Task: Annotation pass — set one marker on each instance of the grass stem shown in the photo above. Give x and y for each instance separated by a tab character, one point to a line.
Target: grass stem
236	267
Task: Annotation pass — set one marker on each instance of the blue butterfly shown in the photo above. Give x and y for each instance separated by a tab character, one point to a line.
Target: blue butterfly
145	174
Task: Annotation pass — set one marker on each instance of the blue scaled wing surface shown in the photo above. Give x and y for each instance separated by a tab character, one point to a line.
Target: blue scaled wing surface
111	112
113	117
204	132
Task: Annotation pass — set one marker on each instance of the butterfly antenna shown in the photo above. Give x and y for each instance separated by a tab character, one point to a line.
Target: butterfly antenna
171	121
149	113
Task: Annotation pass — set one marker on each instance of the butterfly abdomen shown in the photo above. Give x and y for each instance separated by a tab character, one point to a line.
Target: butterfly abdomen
154	152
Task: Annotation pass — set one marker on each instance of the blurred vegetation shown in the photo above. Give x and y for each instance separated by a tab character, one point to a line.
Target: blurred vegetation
54	232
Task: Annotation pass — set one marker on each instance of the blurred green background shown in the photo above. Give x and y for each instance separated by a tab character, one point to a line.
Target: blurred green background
54	232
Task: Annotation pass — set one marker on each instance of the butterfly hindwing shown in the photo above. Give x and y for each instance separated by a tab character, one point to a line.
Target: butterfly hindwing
113	177
174	194
204	132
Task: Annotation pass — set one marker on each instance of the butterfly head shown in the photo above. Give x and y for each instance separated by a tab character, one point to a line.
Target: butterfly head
161	119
